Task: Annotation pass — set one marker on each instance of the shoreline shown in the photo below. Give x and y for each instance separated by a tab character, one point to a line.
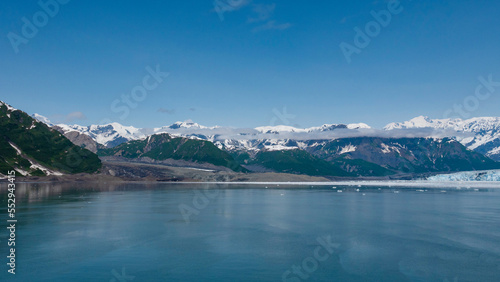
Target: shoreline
388	183
348	183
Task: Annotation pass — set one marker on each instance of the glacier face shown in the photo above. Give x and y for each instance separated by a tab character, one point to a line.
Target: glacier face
486	175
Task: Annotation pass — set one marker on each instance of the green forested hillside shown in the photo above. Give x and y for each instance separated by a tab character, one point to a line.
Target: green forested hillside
41	149
297	161
163	146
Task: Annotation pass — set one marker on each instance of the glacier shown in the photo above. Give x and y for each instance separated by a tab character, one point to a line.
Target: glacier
485	175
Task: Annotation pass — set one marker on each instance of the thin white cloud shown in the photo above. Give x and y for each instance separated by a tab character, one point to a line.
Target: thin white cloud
166	111
272	25
226	6
252	134
71	117
263	12
74	116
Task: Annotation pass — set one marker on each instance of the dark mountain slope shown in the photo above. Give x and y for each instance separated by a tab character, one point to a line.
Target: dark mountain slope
32	148
415	155
163	147
297	162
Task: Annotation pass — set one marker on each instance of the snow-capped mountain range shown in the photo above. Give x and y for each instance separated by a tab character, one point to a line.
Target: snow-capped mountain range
326	127
478	134
109	135
482	134
266	137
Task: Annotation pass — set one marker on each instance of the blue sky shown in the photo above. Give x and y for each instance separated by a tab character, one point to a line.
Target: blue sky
244	66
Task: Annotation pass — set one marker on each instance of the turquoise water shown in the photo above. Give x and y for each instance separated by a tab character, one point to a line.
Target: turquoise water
185	232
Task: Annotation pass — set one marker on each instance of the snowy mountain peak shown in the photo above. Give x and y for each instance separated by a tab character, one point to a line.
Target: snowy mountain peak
417	122
480	134
482	124
9	107
278	129
426	122
485	130
470	125
186	124
42	119
330	127
111	134
420	121
183	127
325	127
358	126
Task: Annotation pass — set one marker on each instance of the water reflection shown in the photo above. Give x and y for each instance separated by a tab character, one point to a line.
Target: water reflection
84	231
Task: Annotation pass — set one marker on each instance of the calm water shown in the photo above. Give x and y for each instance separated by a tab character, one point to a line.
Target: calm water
173	232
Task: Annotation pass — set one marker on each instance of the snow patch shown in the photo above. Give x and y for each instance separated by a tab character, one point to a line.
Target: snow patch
385	148
15	148
279	147
9	107
45	170
34	165
200	169
347	149
495	151
22	172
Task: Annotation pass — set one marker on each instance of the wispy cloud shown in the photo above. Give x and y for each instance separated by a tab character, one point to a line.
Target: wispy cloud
71	117
222	133
346	133
263	12
224	6
263	15
166	111
272	25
